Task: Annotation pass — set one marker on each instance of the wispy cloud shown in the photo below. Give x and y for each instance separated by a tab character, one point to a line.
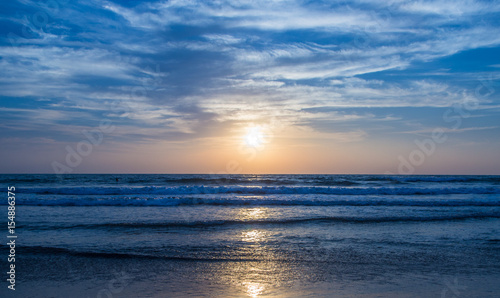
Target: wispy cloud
187	70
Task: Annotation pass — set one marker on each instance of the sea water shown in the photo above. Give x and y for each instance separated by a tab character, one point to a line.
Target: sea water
254	235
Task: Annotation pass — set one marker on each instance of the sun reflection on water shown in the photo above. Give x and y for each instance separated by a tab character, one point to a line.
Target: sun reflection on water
260	276
253	289
252	236
253	213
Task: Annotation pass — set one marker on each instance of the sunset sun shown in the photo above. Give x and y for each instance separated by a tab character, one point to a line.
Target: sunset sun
254	137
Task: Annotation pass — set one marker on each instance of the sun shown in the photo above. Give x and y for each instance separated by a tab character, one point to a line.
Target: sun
254	137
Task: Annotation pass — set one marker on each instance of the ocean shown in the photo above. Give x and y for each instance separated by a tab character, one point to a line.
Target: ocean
146	235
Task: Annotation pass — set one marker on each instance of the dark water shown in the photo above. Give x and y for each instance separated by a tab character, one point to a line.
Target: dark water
255	235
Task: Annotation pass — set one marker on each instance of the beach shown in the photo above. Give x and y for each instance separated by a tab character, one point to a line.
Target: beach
255	236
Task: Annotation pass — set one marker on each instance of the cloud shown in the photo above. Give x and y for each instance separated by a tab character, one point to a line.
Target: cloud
192	69
451	130
447	8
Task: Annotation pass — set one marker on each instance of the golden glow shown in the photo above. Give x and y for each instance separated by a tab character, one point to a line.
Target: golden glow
254	137
253	289
253	236
256	213
252	213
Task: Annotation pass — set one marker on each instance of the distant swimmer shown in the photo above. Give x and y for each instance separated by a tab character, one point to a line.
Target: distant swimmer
116	179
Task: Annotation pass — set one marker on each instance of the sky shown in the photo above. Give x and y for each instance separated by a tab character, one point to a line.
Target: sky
400	87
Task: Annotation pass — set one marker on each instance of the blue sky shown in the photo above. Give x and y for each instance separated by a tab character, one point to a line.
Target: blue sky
335	86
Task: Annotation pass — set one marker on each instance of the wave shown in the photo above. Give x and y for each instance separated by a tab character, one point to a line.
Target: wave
213	179
287	221
260	201
433	178
259	190
268	180
118	255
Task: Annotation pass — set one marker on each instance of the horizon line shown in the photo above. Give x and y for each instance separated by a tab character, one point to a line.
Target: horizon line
221	174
